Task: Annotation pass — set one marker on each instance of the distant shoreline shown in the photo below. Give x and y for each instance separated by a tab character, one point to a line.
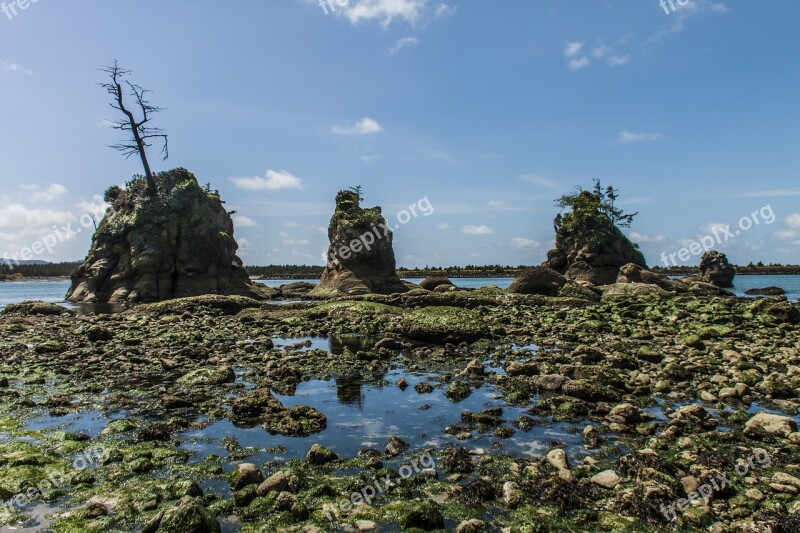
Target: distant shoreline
37	278
508	273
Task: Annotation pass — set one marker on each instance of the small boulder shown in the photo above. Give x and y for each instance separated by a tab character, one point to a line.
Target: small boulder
558	459
768	424
395	447
765	291
278	482
320	455
186	516
537	280
246	474
471	526
608	479
433	282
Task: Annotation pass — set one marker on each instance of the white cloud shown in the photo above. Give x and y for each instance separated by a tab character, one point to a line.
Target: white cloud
498	203
275	180
243	221
365	126
96	206
615	61
786	235
443	10
477	230
679	18
715	226
369	158
48	194
402	43
20	216
443	226
640	238
793	221
385	11
523	244
10	66
600	51
632	137
577	64
573	49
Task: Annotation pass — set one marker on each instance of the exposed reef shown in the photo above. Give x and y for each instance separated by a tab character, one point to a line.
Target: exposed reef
547	413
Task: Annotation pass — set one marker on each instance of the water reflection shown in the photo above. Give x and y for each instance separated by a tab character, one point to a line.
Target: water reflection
348	390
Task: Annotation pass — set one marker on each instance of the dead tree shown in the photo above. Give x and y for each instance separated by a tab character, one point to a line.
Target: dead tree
139	128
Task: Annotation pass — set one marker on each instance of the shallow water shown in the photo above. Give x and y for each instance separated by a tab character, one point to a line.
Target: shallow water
54	291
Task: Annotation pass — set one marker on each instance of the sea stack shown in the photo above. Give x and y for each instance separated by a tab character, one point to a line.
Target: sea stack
150	247
589	245
360	258
715	269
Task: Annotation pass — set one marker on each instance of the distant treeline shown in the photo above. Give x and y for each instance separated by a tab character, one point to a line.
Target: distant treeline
48	270
62	270
285	271
314	272
751	268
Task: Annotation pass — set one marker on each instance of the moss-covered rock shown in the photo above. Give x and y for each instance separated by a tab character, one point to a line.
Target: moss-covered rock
35	308
444	324
360	257
176	242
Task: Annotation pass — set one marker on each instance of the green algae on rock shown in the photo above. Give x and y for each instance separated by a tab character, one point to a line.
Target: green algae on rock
444	324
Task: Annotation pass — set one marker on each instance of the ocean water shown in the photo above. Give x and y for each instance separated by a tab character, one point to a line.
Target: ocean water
54	291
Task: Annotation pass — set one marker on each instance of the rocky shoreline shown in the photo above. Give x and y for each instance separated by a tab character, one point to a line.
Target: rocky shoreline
662	393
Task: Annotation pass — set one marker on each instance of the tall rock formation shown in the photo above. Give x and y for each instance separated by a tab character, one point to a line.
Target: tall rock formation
589	246
715	269
360	257
178	242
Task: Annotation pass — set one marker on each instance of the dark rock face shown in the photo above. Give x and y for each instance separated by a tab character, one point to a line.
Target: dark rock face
715	269
589	247
152	248
360	256
538	280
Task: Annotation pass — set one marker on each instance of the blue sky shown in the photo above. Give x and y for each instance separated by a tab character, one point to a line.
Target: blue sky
489	109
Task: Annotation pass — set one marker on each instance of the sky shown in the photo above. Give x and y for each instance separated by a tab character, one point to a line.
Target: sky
486	111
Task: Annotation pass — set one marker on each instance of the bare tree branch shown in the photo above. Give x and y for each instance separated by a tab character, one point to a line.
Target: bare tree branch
138	128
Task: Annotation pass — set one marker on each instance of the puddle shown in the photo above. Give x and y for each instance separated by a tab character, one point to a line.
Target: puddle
334	344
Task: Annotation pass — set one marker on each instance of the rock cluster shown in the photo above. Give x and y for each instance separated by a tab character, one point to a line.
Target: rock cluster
178	242
360	257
